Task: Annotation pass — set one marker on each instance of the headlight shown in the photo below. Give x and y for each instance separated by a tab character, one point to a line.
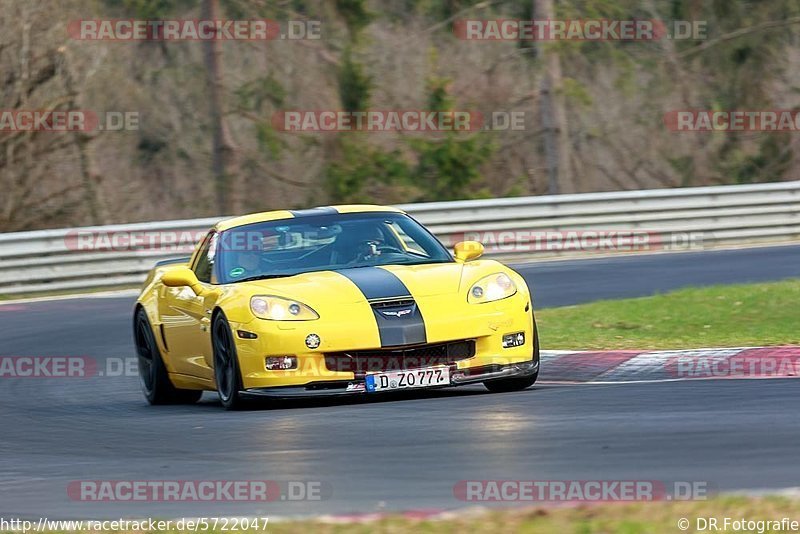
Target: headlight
281	309
490	288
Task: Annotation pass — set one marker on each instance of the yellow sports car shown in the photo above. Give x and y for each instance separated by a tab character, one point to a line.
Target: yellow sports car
331	300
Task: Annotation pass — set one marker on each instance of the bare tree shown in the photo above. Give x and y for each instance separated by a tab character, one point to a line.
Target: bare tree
224	153
34	194
554	116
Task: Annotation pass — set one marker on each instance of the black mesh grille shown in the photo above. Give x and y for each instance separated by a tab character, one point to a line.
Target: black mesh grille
392	303
395	359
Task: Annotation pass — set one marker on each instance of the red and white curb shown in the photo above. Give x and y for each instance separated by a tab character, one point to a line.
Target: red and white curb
639	366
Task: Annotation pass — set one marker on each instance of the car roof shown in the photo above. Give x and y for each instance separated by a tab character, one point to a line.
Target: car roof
277	215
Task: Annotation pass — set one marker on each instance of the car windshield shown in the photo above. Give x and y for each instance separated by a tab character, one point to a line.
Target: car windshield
323	242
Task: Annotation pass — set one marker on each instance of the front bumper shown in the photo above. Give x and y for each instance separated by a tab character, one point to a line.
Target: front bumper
357	386
445	322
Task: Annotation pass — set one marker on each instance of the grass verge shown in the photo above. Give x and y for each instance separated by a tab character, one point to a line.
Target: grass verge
649	518
719	316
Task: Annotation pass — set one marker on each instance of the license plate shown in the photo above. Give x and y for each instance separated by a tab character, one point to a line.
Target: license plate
408	379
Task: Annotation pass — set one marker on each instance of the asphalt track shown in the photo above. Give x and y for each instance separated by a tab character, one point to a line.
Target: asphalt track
398	452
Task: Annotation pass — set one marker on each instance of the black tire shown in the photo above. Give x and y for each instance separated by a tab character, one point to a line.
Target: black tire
156	385
227	374
506	385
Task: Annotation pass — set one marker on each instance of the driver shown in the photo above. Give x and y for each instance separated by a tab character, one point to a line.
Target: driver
358	243
247	264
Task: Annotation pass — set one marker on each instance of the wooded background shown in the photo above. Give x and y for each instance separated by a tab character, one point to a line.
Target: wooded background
205	144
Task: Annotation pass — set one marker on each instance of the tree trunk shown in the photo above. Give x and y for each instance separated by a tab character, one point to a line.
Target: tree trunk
223	149
90	178
553	113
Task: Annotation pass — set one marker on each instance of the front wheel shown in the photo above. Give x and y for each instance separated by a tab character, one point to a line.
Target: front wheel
226	364
505	385
156	385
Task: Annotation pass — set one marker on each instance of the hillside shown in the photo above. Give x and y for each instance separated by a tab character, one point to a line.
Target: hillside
380	55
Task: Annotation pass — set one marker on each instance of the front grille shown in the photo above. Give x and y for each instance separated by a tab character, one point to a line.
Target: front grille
361	361
391	303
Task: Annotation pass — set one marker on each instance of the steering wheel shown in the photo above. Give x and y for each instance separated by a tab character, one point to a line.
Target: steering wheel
390	248
371	257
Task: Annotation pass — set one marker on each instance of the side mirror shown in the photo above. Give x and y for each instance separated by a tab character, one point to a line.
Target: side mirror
181	277
468	250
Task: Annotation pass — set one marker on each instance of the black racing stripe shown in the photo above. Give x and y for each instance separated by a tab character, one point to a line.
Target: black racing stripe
400	324
322	210
398	330
376	283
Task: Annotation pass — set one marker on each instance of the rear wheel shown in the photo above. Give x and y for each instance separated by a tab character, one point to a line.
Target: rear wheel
504	385
226	364
156	385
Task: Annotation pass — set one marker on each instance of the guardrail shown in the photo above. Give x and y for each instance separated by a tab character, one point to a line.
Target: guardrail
514	228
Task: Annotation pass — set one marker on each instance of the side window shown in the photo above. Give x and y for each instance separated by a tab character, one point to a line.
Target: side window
204	267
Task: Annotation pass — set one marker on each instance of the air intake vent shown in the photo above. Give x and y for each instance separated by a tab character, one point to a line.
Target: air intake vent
360	361
392	303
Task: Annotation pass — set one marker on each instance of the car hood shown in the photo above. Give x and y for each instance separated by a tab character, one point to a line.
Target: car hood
365	283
